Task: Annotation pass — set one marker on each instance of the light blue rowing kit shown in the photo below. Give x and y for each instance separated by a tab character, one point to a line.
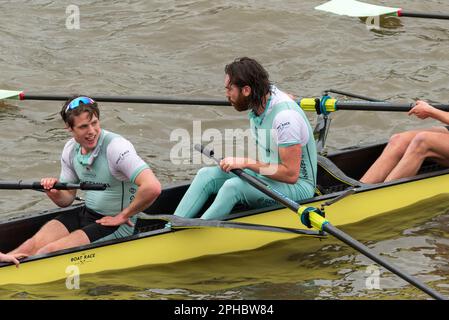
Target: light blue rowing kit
114	161
282	124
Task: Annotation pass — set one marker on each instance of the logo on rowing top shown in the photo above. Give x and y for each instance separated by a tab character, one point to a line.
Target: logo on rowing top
283	126
122	156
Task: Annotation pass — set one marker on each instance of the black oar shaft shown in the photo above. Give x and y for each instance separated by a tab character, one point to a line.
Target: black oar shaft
423	15
367	252
331	105
133	99
340	105
373	106
34	185
381	106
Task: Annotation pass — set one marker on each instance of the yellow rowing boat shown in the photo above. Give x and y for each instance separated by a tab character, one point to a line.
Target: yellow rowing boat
153	244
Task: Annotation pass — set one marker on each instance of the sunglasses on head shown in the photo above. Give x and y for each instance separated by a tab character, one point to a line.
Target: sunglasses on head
75	103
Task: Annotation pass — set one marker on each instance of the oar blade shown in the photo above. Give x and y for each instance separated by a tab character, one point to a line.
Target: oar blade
355	8
9	94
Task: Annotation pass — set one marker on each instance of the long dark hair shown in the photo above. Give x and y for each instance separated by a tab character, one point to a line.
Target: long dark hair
248	72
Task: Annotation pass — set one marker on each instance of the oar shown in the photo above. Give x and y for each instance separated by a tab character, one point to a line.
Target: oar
177	222
320	105
20	185
355	8
20	95
311	216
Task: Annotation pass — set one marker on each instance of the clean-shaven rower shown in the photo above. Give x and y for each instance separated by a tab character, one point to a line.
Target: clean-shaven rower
98	156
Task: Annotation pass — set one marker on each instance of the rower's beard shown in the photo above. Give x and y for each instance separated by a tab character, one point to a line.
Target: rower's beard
241	104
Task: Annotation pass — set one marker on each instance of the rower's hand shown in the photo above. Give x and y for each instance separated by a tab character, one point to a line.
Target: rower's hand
48	183
14	258
229	163
422	110
109	221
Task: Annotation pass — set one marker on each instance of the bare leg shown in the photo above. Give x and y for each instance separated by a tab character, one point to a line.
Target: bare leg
74	239
51	231
392	154
425	145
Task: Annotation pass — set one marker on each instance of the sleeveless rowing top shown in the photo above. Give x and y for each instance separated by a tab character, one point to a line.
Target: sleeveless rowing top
283	123
114	162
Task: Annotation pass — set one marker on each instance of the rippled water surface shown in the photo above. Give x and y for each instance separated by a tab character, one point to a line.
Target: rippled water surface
179	49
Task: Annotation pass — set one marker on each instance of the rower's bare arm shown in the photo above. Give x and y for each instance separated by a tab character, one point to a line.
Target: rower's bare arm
287	171
149	188
62	198
148	191
423	110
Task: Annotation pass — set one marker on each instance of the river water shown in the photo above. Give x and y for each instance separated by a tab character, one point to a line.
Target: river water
179	49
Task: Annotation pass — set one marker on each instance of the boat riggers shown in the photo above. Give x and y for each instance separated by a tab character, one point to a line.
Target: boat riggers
177	222
20	185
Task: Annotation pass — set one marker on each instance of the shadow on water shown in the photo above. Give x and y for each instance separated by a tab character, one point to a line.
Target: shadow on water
383	25
415	239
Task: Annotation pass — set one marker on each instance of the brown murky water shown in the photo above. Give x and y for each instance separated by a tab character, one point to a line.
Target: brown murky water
179	49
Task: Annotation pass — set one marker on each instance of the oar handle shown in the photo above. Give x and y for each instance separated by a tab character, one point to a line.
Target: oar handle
382	106
374	106
21	185
81	186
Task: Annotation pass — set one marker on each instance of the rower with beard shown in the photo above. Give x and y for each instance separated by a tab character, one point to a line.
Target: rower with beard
286	148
